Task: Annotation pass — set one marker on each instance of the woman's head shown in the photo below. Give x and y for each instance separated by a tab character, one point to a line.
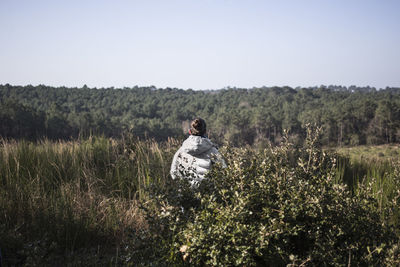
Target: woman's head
198	127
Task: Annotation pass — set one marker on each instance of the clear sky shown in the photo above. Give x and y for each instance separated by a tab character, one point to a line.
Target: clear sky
200	44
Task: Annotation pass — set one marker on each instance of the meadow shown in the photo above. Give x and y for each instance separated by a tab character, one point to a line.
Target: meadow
75	199
103	201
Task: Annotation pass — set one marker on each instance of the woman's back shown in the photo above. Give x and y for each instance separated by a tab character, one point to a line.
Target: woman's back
195	158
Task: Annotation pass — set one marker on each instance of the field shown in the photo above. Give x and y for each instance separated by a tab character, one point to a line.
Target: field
372	153
102	201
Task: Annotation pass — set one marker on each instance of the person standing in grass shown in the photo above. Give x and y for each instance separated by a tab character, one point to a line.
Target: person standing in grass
196	156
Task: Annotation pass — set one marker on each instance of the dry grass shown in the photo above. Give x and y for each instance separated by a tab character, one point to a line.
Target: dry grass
372	153
76	195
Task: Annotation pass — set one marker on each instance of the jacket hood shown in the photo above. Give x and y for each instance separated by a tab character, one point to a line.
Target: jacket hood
195	145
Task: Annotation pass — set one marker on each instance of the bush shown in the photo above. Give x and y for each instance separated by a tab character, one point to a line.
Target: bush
273	208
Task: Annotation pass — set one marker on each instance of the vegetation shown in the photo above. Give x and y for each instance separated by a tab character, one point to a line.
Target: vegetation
379	153
76	201
84	177
101	201
349	116
374	165
278	207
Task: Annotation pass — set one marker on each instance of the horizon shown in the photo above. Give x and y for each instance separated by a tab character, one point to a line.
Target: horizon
330	86
208	45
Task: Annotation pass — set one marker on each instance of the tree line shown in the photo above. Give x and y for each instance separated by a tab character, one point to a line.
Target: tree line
348	115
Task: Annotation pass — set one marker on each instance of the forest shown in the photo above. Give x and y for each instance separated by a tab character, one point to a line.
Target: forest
348	115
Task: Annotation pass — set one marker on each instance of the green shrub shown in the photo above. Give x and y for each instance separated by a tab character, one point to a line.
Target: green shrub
274	208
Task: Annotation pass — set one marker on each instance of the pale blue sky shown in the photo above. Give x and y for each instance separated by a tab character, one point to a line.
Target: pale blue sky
200	44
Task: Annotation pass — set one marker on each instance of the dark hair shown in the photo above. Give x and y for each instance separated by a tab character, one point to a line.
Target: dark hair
198	127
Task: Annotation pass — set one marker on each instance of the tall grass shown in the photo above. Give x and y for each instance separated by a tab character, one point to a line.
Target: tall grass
78	194
381	175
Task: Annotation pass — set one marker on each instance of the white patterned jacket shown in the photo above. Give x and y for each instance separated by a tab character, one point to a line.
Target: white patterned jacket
194	159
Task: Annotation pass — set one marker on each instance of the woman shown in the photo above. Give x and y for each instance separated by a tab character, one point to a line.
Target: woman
196	155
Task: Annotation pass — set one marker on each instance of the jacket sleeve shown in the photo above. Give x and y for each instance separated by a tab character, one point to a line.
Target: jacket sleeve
217	157
174	165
